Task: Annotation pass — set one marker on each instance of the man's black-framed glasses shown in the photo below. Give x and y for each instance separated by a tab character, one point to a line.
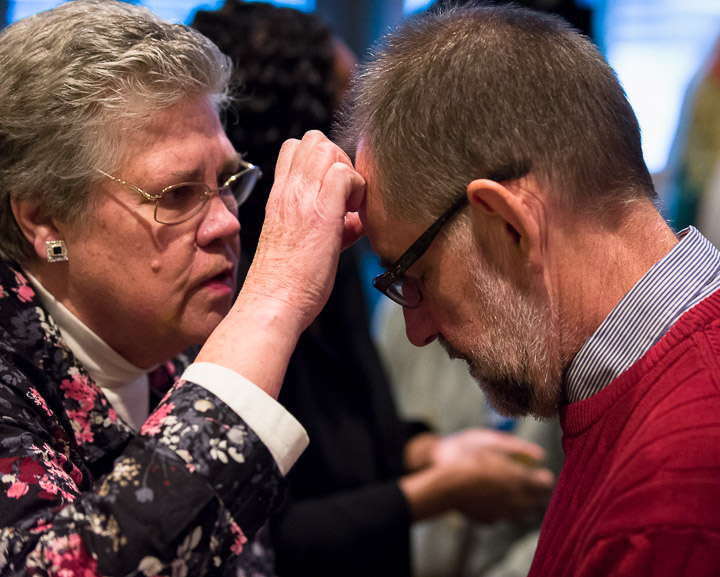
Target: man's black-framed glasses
392	283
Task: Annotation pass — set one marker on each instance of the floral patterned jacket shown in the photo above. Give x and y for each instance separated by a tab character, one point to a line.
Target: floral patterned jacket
83	495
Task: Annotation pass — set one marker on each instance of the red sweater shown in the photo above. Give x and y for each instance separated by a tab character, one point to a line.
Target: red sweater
639	494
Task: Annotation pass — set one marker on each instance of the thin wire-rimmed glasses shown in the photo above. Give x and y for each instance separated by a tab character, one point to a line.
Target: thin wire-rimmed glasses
178	203
392	283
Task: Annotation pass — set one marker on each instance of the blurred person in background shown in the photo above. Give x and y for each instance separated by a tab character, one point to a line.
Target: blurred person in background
436	390
690	183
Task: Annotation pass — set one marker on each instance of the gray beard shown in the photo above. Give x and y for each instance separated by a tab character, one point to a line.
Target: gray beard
516	361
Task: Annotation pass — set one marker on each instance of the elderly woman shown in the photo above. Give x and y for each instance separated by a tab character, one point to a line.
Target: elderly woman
119	238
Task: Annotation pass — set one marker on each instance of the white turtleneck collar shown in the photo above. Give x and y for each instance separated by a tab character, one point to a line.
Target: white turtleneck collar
126	386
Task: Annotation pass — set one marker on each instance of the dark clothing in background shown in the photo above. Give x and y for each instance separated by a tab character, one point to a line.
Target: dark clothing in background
345	514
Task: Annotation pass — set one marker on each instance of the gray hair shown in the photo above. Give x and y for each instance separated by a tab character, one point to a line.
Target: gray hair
69	78
493	92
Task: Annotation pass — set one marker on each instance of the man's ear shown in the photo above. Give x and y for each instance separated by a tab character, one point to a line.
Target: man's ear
35	225
512	219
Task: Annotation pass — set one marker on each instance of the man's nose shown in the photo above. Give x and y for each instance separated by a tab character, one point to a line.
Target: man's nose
419	325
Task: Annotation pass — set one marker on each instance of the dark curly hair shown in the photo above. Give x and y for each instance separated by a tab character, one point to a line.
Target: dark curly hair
284	85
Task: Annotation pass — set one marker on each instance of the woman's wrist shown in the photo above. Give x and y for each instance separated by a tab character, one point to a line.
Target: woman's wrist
256	339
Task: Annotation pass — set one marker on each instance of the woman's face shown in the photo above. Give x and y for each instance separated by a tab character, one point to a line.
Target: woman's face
150	290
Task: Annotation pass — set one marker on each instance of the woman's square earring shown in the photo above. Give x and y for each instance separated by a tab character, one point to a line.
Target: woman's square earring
56	250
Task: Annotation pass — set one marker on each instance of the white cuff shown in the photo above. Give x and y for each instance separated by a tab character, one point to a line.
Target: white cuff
281	433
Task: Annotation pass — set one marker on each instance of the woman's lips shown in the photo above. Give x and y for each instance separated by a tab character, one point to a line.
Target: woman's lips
223	282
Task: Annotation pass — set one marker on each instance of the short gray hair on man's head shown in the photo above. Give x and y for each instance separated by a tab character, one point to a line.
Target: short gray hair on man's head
477	91
69	77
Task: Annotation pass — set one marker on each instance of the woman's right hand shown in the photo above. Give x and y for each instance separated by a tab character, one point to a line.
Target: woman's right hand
311	215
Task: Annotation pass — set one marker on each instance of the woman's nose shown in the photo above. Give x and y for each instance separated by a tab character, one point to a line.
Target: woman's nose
218	222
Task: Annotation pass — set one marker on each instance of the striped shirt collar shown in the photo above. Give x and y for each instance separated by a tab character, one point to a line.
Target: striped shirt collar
685	276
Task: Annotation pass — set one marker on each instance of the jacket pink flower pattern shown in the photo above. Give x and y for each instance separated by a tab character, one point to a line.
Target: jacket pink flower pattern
83	495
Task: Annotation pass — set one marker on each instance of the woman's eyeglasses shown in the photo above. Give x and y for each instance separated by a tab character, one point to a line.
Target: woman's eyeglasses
178	203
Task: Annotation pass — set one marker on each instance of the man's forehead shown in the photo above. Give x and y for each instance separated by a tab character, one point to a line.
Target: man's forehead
362	166
388	236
